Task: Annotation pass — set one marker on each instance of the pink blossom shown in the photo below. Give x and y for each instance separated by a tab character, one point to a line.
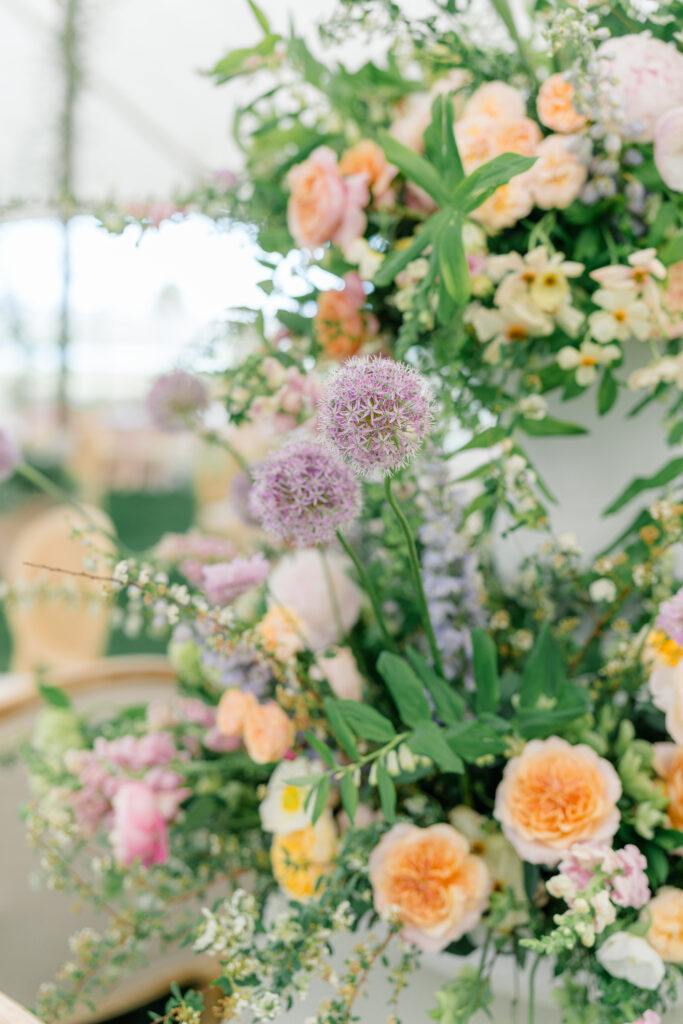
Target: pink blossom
645	76
649	1017
630	886
224	582
669	148
627	883
139	829
136	753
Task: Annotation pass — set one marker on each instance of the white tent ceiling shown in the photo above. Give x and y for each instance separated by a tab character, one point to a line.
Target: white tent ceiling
146	121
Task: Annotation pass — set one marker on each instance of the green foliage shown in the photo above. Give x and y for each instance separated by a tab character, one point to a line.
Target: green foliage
460	999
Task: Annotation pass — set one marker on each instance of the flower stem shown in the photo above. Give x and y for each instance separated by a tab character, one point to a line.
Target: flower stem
369	589
334	600
504	12
417	577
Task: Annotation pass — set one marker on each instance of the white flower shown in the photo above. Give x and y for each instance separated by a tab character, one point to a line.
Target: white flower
603	590
568	543
630	957
534	407
301	583
642	266
513	324
586	359
283	808
367	259
622	316
339	668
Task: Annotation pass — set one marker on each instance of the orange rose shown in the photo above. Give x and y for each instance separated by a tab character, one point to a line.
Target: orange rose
555	106
554	795
428	879
268	733
282	632
665	914
668	764
324	206
300	859
368	158
340	324
519	136
232	711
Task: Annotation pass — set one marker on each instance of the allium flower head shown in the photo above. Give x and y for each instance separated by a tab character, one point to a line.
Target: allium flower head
9	455
670	617
303	494
175	398
376	414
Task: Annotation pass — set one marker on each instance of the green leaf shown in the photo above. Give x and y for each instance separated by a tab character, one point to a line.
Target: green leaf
449	705
538	676
405	688
486	439
537	723
485	668
239	62
340	728
472	192
321	749
322	796
676	433
387	793
607	392
394	263
548	427
472	740
672	252
663	476
54	696
455	272
349	795
440	144
366	722
414	167
260	17
430	740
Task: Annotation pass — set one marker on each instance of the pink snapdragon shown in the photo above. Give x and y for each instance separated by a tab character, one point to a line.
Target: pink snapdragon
622	873
139	829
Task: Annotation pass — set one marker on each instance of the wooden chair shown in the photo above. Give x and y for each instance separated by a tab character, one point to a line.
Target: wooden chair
12	1013
35	925
52	630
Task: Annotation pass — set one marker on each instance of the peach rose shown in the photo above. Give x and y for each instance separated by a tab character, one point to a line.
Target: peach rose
519	136
340	324
268	733
506	206
668	763
366	157
429	880
476	137
232	711
555	106
554	795
300	859
414	113
497	100
324	206
664	659
558	176
665	914
282	632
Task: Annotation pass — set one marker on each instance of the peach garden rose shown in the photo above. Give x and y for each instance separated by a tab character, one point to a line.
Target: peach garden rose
302	858
324	206
555	106
429	880
554	795
665	916
268	733
341	325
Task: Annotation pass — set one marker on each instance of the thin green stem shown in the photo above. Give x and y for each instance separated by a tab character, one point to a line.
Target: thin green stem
211	437
334	599
369	589
532	989
417	576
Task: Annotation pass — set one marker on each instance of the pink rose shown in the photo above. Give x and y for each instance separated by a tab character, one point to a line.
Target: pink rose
139	830
648	79
324	206
669	148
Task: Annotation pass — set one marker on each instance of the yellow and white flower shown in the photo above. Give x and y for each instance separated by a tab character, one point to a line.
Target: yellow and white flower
623	316
586	358
514	323
283	809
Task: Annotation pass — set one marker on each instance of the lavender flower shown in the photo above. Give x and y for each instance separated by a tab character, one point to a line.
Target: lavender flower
670	617
196	653
449	569
175	399
376	414
9	455
224	582
303	494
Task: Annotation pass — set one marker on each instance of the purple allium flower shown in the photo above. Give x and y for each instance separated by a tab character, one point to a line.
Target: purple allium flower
303	494
175	399
224	582
9	455
376	414
670	617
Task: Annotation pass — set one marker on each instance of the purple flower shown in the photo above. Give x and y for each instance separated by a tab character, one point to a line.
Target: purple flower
9	455
376	414
175	399
670	617
303	494
226	581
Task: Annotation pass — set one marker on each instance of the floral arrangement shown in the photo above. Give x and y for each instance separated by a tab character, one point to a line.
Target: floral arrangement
372	733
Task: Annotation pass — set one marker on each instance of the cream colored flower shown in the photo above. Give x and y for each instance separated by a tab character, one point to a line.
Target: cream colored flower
497	100
586	359
283	809
628	956
665	914
475	137
558	176
513	324
622	316
643	265
506	206
301	859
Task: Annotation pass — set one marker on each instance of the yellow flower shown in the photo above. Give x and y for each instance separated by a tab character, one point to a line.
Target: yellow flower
301	859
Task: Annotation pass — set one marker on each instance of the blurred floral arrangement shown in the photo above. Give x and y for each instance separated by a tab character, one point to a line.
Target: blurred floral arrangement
371	730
